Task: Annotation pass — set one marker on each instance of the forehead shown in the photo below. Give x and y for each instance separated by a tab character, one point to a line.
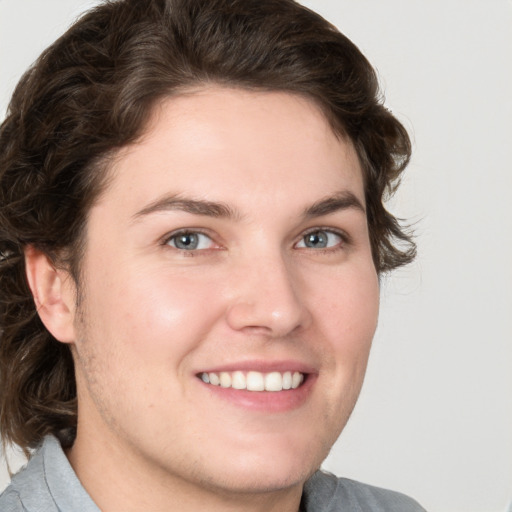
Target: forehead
235	145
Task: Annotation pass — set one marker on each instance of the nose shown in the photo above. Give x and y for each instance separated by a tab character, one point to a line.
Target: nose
267	297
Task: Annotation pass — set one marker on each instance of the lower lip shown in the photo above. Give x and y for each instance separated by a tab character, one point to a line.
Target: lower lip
265	401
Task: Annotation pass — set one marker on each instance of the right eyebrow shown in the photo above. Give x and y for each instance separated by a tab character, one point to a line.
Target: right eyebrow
188	205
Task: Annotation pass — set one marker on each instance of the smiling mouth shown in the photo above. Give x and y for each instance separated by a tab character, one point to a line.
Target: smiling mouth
254	381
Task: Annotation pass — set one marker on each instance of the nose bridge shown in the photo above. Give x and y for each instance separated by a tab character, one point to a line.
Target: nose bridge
267	294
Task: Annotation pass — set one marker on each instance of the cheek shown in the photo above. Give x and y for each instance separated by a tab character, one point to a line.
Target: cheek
347	309
149	312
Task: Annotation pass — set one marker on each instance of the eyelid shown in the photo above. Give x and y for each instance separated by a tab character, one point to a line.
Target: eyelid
188	231
345	238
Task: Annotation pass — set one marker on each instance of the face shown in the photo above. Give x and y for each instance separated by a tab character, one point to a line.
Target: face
229	297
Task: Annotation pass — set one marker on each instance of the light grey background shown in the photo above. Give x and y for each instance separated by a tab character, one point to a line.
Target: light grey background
435	416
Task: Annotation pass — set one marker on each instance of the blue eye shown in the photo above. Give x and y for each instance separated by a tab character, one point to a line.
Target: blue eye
320	239
190	241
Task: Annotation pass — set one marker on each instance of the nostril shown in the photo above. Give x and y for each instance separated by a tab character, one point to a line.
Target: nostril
270	316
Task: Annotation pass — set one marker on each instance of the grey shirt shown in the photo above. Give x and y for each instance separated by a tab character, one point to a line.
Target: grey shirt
49	484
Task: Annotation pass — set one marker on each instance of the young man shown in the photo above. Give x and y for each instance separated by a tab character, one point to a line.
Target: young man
191	235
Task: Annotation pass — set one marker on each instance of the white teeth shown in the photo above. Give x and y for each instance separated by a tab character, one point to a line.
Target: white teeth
225	379
254	381
238	380
273	381
297	379
214	379
287	380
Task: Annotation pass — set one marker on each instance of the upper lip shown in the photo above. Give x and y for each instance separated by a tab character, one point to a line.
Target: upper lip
263	366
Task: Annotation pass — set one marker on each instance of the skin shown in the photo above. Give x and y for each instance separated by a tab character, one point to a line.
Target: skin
151	435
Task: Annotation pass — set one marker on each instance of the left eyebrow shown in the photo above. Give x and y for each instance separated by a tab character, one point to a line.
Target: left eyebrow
342	201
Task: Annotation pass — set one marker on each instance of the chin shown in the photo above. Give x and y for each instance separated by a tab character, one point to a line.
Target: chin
263	478
271	468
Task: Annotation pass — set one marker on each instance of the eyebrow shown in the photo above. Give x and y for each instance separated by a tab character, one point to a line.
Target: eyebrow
192	206
341	201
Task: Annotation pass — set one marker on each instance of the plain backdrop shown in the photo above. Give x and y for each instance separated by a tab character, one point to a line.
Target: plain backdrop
435	416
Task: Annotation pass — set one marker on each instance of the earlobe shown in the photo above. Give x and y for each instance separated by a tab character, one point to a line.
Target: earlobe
54	296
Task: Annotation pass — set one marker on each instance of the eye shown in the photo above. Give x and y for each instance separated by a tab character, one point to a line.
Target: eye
320	239
190	241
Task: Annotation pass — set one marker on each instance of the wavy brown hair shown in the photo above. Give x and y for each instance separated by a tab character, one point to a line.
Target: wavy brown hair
91	93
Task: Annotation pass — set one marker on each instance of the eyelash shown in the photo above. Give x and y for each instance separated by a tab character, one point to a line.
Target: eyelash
184	232
345	240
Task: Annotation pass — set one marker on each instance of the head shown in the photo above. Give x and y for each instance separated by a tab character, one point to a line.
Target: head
95	98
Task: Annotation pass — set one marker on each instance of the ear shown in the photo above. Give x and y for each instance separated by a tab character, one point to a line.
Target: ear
54	294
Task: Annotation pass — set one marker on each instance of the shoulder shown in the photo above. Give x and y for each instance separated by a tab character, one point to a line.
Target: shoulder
325	492
46	484
28	490
10	501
